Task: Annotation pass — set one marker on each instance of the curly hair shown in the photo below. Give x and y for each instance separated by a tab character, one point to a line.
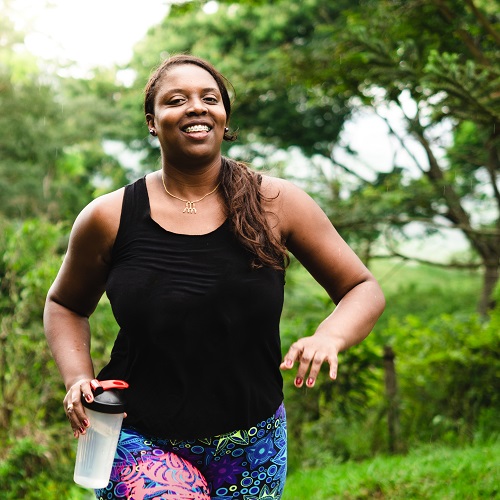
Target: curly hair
239	185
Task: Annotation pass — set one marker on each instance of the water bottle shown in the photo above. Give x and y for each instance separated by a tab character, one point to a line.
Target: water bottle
96	448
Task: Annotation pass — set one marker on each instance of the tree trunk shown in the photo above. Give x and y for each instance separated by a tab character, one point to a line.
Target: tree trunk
487	245
491	276
391	391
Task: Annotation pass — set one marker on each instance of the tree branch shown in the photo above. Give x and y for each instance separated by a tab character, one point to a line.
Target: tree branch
483	20
469	42
451	265
400	220
401	140
348	170
493	168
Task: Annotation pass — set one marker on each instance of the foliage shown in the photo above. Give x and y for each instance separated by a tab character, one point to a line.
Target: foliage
31	399
426	473
30	258
452	364
253	45
333	422
439	67
33	472
423	291
301	69
52	160
446	365
314	413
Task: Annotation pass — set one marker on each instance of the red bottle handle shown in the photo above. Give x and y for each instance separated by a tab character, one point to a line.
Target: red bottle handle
99	387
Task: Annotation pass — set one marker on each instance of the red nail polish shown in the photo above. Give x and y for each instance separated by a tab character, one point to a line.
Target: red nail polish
86	423
88	398
310	381
298	381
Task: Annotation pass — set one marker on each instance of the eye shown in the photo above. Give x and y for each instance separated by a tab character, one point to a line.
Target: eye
211	99
175	101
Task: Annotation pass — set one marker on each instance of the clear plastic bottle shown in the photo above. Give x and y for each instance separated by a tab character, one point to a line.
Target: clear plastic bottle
97	447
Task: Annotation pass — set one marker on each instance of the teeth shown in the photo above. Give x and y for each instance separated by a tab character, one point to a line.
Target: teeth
198	128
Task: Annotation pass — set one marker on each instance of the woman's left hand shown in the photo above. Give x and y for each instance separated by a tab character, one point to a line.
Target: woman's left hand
311	353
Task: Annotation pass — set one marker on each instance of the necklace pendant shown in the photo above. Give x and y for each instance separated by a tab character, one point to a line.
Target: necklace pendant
190	208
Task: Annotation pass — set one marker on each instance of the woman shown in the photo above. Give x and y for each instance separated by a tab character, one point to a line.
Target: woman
192	258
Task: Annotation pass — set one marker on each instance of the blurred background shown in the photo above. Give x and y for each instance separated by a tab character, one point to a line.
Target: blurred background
386	111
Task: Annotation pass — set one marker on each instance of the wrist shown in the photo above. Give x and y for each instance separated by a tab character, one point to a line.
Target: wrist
333	338
78	380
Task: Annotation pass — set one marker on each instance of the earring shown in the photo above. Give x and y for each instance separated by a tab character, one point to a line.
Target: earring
152	131
226	130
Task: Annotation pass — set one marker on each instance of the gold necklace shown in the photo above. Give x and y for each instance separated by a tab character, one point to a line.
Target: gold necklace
190	207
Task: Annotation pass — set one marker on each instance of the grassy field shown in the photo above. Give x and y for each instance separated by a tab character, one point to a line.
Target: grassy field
429	473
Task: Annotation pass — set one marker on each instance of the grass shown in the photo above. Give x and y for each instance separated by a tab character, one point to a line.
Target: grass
428	473
410	289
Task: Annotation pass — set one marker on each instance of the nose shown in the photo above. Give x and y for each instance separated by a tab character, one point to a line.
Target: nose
196	107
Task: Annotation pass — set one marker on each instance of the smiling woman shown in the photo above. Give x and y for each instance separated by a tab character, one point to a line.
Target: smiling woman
188	117
192	257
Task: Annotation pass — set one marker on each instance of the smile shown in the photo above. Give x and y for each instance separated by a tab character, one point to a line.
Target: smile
197	128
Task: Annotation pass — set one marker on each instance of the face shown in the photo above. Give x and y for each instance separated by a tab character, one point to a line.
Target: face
189	115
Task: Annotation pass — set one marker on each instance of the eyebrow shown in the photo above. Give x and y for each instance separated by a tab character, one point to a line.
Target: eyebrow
208	89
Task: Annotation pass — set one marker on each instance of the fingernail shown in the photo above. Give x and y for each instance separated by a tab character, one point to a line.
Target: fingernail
310	381
86	423
298	381
88	398
75	434
82	430
288	363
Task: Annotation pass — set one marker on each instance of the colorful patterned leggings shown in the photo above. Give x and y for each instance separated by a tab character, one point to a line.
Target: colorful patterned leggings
245	465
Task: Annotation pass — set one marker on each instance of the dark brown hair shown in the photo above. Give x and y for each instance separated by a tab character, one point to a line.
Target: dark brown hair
240	186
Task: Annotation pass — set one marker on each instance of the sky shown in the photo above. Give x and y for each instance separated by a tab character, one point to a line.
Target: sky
91	32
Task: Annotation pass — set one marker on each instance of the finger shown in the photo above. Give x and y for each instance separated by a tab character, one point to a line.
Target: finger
334	365
305	360
291	356
74	409
87	391
318	360
287	364
73	419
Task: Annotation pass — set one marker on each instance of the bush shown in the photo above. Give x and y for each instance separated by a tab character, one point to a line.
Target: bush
448	372
31	471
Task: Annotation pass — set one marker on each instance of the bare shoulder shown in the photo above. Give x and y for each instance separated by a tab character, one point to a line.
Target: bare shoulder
81	280
290	204
99	220
273	187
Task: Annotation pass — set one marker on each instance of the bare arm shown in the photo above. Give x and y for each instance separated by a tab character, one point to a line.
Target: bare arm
74	296
317	245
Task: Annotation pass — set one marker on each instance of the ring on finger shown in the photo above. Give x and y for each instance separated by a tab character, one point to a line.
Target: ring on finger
69	409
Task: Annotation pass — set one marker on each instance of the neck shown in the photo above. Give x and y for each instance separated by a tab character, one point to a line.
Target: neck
190	183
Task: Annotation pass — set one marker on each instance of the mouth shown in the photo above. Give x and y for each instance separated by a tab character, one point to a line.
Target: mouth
196	128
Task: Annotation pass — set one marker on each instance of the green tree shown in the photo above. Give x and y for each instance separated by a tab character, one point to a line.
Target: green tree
52	160
301	69
253	45
442	56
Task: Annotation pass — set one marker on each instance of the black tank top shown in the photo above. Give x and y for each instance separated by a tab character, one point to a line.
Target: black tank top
199	328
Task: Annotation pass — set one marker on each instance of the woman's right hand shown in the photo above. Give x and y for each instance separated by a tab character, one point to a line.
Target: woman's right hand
73	407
